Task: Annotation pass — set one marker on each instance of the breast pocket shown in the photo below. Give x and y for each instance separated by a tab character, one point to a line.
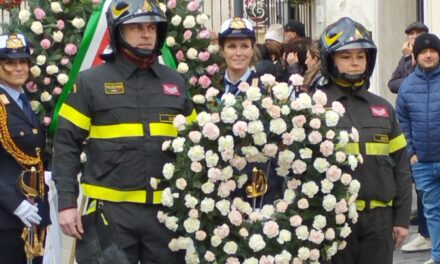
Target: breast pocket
113	109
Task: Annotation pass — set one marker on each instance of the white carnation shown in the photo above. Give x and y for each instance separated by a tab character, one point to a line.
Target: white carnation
78	23
196	153
177	144
192	53
281	91
319	222
302	232
253	93
207	205
168	170
37	27
251	113
52	69
45	96
170	41
175	20
62	78
189	22
331	118
256	242
278	126
190	201
24	15
310	189
228	115
224	207
230	247
57	36
56	7
191	225
167	198
202	19
326	186
212	48
284	236
321	165
329	202
255	127
41	59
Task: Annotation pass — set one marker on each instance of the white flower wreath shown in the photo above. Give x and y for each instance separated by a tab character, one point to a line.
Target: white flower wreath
308	224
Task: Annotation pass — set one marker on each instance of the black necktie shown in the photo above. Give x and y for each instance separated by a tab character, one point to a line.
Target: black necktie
26	106
233	88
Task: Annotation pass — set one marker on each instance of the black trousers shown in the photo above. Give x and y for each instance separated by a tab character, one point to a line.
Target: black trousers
136	231
12	247
371	240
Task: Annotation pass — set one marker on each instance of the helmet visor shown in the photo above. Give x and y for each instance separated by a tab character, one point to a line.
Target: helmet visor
144	19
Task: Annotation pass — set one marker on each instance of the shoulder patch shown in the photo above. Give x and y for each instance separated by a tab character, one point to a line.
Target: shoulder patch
170	89
4	99
379	111
114	88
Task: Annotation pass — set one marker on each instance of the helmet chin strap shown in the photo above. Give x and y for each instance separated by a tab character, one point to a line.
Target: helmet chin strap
141	53
352	78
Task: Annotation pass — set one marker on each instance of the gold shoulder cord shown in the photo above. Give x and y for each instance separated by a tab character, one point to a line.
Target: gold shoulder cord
33	236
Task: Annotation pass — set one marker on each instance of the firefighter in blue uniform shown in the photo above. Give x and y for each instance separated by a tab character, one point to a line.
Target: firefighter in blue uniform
124	108
348	56
22	143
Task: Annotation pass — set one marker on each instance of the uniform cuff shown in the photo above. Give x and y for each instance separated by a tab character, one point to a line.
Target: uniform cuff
66	200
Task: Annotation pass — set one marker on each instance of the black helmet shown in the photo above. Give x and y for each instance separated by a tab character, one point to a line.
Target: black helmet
135	11
236	28
14	46
346	34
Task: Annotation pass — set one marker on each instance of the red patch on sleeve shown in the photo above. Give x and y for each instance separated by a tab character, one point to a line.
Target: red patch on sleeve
379	111
170	89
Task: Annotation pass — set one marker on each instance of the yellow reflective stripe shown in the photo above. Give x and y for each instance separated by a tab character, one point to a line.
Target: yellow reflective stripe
75	117
163	129
117	131
157	197
377	149
113	195
92	207
192	117
350	148
360	204
104	220
397	143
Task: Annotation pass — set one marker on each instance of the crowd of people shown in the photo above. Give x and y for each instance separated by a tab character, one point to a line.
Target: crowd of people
122	108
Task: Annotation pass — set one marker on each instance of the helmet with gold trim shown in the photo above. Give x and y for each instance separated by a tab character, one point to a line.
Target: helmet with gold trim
346	34
135	11
14	46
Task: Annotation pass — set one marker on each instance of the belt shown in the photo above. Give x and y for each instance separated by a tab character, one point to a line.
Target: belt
113	195
362	205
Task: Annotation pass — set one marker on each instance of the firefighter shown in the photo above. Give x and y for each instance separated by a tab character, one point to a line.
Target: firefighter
22	143
348	56
125	109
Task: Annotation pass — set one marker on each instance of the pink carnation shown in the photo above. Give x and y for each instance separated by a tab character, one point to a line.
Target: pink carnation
303	203
64	61
333	173
274	111
270	150
238	162
315	137
204	81
222	231
240	129
243	87
341	207
204	55
45	43
287	138
214	174
235	217
31	87
281	206
271	229
195	136
200	235
295	220
70	49
39	13
212	69
193	5
60	24
46	81
187	35
340	219
57	90
172	4
179	55
204	34
299	121
326	148
267	260
211	131
316	236
193	81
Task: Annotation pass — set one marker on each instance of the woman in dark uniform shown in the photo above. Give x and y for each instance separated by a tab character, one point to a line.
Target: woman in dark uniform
23	211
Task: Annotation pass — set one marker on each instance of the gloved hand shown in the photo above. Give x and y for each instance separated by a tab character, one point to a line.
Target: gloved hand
28	213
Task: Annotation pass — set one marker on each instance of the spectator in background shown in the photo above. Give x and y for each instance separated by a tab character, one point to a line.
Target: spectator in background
313	73
418	110
293	30
295	52
273	44
406	63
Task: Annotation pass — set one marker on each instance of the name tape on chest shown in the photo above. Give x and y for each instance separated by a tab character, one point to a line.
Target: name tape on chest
379	111
114	88
4	99
170	89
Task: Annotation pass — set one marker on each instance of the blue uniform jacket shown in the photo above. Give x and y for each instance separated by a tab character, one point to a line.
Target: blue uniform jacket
27	135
